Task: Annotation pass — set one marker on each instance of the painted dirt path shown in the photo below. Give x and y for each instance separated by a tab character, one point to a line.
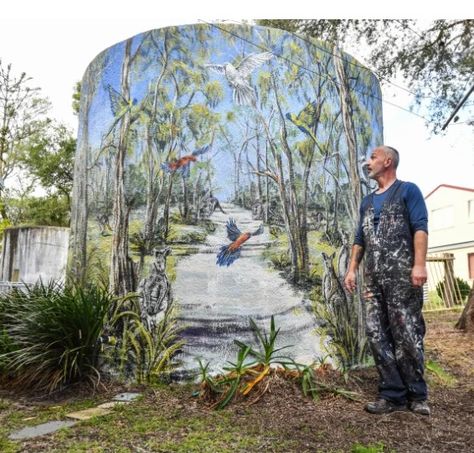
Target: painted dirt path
217	302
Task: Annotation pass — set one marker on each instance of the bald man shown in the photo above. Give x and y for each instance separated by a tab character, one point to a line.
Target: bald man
393	237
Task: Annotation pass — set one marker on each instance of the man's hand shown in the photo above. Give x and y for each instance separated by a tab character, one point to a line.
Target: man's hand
418	275
350	281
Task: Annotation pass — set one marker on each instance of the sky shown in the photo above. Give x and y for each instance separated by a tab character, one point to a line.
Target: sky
53	42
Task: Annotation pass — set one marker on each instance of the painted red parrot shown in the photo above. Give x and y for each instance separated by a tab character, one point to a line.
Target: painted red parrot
182	164
229	253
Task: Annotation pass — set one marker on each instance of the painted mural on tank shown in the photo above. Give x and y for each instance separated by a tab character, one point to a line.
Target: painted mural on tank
219	172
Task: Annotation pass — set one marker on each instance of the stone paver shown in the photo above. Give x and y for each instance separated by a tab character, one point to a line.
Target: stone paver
87	414
40	430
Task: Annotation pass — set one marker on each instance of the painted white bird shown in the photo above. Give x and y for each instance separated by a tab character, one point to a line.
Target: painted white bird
238	76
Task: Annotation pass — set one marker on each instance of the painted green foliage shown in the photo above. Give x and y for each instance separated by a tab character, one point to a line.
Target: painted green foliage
178	102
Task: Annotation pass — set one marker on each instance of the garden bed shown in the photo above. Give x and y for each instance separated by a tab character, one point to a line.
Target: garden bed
175	419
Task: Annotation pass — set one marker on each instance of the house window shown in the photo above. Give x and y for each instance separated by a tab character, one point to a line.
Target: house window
442	218
470	258
470	210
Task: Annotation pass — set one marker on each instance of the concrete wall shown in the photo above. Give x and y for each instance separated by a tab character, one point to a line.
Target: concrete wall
31	253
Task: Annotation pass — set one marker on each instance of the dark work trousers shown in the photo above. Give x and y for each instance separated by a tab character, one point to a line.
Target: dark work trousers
394	320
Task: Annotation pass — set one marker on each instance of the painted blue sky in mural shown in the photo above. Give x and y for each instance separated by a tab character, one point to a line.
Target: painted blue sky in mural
219	46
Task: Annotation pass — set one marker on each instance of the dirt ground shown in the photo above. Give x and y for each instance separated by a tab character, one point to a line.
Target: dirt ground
173	419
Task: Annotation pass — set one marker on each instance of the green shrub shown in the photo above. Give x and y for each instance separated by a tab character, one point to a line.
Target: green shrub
6	346
6	343
193	237
463	286
209	226
280	260
56	332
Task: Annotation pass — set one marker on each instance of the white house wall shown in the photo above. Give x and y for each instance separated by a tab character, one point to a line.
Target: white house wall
451	225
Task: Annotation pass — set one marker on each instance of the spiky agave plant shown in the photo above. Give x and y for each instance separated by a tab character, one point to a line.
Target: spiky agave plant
56	331
244	375
267	354
235	373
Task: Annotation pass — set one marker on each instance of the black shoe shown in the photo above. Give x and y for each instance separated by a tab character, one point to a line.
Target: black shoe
420	407
382	406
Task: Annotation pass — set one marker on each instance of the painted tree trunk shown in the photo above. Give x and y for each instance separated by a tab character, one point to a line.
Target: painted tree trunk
79	216
152	191
350	134
259	169
122	278
355	197
185	198
267	189
166	211
197	201
80	200
300	259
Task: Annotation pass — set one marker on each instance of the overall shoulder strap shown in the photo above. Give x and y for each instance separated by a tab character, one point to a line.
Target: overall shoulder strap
397	185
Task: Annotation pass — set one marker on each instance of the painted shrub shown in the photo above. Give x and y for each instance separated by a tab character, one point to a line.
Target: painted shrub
238	147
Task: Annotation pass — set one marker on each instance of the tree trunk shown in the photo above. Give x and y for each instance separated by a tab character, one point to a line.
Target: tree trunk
154	188
122	278
166	211
466	321
79	208
355	197
267	189
288	200
287	217
259	169
197	199
301	264
152	191
80	203
349	131
185	199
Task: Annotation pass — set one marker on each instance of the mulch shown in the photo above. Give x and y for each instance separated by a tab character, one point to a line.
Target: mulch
334	423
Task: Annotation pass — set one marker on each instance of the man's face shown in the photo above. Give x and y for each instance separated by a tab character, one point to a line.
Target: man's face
377	163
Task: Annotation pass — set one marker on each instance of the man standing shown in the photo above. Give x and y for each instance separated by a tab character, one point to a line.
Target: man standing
393	235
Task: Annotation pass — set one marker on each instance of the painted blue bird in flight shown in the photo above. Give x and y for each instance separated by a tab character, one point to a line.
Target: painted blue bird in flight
231	252
238	76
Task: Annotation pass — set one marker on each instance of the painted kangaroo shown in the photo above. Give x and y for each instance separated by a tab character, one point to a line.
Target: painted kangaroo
155	291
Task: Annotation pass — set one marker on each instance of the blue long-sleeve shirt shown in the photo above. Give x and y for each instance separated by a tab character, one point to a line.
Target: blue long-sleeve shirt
414	201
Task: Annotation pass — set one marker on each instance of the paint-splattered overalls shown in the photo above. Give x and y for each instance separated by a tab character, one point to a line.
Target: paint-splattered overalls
395	325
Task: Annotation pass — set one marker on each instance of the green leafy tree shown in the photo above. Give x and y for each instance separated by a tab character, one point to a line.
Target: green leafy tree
49	159
76	98
50	210
22	116
436	60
